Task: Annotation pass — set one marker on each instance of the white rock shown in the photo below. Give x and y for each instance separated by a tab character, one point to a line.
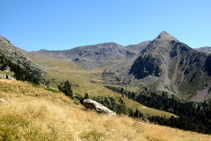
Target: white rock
91	104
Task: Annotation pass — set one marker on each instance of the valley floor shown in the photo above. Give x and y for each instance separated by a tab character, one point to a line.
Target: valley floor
34	113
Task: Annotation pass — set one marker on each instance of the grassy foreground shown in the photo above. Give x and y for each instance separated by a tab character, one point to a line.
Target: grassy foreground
34	113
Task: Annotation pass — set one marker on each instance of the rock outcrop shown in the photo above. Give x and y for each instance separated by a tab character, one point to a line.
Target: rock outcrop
91	104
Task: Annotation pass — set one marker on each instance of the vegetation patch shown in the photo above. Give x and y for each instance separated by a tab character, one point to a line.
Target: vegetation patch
52	90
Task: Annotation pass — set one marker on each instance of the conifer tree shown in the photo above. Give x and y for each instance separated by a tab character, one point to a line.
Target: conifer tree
137	114
66	89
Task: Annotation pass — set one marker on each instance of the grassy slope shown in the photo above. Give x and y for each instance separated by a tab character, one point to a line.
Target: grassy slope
65	69
33	113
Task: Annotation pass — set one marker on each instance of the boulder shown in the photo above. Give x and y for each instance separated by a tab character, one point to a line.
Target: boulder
91	104
2	100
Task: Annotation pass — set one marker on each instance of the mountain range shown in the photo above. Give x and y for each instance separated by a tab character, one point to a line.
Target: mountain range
162	65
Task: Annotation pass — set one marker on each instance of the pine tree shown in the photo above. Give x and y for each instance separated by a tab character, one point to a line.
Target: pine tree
137	114
66	89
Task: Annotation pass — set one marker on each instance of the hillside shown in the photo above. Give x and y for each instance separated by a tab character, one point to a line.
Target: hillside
34	113
92	56
16	56
166	65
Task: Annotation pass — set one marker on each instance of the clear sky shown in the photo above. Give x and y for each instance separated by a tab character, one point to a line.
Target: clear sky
63	24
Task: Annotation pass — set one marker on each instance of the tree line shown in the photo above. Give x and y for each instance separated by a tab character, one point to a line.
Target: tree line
191	115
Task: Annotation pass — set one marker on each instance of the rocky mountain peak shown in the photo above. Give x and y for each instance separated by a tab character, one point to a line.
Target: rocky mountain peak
165	36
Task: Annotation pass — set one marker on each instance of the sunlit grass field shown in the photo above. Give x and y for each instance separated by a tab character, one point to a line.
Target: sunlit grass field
35	113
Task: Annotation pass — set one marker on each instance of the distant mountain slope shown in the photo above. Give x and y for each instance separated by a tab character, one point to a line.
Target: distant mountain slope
138	47
166	65
93	56
204	49
16	56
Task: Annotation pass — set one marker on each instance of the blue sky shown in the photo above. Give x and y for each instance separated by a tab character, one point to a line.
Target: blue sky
63	24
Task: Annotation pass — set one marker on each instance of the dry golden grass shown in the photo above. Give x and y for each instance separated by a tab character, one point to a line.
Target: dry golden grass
32	113
12	88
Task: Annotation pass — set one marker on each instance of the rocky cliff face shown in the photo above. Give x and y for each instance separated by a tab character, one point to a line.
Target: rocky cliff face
146	65
187	72
16	56
166	65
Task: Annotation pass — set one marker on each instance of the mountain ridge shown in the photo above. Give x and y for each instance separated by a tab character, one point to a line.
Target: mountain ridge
169	66
93	56
138	47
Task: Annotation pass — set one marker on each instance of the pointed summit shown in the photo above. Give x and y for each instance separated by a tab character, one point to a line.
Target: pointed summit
165	36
